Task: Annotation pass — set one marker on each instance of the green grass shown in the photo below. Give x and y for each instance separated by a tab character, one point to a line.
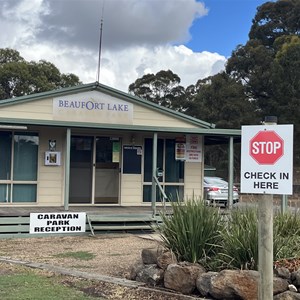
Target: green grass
28	285
80	255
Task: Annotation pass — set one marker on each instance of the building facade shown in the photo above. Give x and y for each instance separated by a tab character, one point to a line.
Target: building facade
94	145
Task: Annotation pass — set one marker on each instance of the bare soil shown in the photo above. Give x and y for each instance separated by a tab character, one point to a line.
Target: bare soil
114	255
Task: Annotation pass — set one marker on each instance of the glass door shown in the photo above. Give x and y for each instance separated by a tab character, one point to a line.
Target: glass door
107	170
81	169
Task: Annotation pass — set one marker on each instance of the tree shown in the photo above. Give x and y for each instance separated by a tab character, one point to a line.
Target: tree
162	88
275	19
19	77
221	100
9	55
250	64
286	65
268	65
254	62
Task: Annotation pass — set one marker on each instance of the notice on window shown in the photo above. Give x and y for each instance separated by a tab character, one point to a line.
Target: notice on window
63	222
180	151
194	151
116	152
132	159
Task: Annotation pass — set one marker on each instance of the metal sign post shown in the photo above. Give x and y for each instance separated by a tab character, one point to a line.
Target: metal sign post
267	169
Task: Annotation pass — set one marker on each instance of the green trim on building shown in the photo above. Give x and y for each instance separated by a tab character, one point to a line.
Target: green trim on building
204	131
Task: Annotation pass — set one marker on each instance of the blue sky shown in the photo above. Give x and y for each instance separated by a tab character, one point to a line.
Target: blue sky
227	25
192	38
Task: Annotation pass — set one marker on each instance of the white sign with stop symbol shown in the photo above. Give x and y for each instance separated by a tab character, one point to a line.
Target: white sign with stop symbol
267	159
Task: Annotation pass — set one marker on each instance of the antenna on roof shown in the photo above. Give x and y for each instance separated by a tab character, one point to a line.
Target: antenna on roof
100	44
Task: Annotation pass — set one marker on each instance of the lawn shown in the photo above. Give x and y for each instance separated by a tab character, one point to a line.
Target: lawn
20	283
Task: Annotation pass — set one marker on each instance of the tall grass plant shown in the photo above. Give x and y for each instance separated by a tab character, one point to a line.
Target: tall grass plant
192	232
286	235
240	240
196	232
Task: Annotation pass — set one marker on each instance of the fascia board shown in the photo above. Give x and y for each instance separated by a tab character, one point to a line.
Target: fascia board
196	130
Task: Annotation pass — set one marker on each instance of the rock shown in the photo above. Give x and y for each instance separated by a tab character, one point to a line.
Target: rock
182	277
295	277
288	295
150	274
283	273
150	255
280	285
137	267
165	259
203	282
233	284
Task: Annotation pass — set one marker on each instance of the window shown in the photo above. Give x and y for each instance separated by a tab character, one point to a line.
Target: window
18	166
172	180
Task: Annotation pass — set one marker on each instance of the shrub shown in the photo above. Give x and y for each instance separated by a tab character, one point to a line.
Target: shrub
198	233
240	240
286	235
192	232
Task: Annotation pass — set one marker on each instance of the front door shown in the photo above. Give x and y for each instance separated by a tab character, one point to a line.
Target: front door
81	169
107	171
94	170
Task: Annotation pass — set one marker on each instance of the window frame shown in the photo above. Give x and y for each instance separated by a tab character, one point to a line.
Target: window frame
165	184
11	182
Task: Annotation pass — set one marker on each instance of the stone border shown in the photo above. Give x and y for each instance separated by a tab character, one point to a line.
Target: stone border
94	276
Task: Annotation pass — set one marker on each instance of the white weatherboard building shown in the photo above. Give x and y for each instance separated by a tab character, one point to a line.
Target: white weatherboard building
94	145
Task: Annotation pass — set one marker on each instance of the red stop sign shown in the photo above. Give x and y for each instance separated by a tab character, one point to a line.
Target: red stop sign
266	147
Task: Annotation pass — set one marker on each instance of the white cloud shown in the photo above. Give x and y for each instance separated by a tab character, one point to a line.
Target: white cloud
132	63
137	38
126	22
20	21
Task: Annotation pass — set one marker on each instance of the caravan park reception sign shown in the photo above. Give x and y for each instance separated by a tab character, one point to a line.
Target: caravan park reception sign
61	222
267	159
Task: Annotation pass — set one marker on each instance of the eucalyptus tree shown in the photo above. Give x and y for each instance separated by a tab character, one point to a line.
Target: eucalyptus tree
162	88
222	100
268	64
19	77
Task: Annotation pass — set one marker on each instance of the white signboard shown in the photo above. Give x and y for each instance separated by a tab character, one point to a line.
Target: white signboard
92	107
193	149
267	159
63	222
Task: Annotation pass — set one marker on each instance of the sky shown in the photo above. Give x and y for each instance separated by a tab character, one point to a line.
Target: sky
192	38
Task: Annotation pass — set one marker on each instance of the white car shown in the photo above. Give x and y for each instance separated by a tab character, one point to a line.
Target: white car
216	191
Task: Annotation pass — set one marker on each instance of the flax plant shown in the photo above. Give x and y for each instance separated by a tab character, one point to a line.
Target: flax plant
240	240
192	232
198	233
286	235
